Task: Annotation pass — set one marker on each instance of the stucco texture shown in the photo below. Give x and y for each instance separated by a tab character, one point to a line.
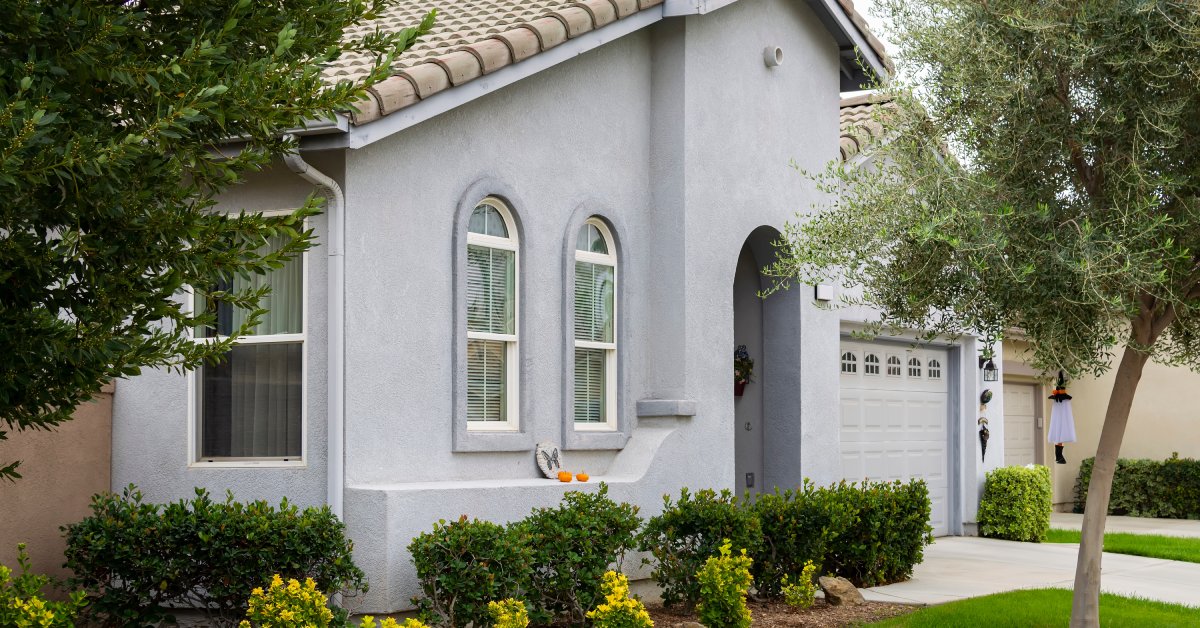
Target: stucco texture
61	469
1162	421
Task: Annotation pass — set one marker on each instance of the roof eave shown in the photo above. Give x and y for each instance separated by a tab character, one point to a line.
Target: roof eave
853	46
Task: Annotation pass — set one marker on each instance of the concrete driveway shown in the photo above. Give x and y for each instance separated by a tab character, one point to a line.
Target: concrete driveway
956	568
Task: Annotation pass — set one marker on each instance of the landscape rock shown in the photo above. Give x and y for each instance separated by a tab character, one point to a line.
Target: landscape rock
839	591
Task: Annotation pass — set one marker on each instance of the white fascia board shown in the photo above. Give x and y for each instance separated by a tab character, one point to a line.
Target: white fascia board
360	136
672	8
864	48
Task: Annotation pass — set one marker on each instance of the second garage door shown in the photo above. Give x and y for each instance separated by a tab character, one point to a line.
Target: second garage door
894	403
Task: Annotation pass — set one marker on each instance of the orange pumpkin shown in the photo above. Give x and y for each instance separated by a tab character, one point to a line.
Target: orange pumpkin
582	477
564	476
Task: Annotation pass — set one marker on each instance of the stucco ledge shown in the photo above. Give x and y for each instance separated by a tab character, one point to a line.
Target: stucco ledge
666	407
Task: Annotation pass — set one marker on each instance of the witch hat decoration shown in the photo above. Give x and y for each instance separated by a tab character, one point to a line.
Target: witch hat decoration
1060	389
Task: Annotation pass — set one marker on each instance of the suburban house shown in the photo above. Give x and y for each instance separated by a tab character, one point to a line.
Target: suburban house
547	227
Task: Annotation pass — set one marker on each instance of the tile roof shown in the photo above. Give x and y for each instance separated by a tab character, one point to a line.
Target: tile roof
471	38
860	122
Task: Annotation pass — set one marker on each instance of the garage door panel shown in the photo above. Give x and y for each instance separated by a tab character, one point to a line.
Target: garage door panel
894	427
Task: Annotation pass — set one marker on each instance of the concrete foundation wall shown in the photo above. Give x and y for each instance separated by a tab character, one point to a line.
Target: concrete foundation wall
61	470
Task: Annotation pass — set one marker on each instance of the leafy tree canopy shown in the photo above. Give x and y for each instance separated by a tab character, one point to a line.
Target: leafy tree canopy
109	115
1071	211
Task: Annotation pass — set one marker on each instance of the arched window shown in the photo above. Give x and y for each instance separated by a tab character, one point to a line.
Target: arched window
914	367
935	369
871	364
893	366
595	403
492	318
849	362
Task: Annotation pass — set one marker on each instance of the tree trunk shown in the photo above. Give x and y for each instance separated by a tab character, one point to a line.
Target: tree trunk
1085	608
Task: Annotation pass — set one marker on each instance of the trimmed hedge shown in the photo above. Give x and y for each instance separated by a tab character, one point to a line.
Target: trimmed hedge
1016	504
1148	488
138	561
889	533
798	526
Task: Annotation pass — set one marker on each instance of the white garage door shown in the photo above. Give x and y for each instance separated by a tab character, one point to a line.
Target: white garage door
893	411
1019	415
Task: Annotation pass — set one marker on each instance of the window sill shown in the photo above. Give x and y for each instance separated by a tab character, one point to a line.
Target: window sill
248	464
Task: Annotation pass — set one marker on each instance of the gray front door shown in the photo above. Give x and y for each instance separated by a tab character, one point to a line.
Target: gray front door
748	409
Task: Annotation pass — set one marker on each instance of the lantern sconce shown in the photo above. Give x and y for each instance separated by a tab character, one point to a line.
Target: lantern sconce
988	366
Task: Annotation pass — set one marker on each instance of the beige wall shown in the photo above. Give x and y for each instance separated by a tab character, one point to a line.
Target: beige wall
1165	418
61	471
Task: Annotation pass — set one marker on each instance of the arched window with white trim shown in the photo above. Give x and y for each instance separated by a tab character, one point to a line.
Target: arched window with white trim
849	362
914	367
935	369
492	318
893	366
871	364
595	308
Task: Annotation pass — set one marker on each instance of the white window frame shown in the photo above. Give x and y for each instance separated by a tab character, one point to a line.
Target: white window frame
511	353
610	355
889	364
914	364
194	391
871	361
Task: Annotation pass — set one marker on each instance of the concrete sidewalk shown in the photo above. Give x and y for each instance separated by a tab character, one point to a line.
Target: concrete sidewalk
1136	525
956	568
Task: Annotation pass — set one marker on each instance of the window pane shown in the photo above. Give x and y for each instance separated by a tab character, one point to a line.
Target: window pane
491	281
486	220
487	391
590	239
250	403
590	385
595	292
284	305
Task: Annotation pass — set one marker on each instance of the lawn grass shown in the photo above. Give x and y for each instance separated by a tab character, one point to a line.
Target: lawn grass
1037	608
1150	545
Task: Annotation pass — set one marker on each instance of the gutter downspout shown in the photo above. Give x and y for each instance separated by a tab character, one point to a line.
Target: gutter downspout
335	216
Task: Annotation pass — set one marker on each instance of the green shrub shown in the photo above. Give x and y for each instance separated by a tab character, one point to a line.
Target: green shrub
688	533
888	533
724	581
137	560
573	545
21	601
461	566
618	609
287	604
1148	488
797	526
801	591
1016	504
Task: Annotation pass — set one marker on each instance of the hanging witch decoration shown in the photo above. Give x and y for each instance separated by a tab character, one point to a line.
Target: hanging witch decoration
1062	421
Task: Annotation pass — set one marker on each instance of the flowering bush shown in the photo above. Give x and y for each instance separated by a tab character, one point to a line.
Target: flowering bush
369	622
290	605
21	603
508	614
743	365
802	592
618	609
724	582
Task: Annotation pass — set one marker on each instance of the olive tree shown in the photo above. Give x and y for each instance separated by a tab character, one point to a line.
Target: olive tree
110	111
1043	177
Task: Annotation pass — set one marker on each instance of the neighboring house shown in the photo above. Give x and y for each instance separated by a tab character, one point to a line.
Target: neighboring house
1162	421
548	227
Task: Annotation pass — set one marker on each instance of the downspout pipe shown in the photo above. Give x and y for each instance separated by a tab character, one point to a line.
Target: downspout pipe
335	217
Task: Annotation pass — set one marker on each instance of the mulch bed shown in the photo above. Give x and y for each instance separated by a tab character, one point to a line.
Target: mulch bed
779	615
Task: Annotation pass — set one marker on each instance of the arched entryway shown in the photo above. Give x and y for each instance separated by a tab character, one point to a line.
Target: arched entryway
767	415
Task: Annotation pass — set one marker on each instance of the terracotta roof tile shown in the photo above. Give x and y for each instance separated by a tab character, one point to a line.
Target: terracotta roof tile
865	30
476	37
860	122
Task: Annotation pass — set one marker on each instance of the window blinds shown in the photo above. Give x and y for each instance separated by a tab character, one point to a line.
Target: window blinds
490	282
487	398
589	385
594	302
